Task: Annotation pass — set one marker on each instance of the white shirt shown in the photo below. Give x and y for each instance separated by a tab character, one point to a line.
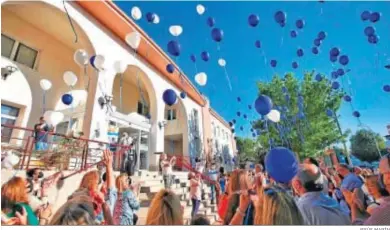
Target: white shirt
195	191
199	166
166	167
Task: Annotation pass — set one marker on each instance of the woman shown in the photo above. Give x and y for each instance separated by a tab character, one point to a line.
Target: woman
276	207
238	182
195	192
374	190
125	202
165	209
15	203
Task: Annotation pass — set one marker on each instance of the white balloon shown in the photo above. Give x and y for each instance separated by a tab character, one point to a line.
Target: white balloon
221	62
133	39
99	62
175	30
201	78
120	66
53	117
273	115
136	13
200	9
156	19
45	84
81	57
70	78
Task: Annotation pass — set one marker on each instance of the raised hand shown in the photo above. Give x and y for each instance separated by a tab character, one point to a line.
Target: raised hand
107	158
22	217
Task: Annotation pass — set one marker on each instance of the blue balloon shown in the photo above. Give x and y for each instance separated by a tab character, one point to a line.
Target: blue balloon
365	15
329	113
281	164
284	89
322	35
374	17
369	30
251	129
344	60
356	114
335	85
295	65
333	58
238	99
273	63
293	33
210	21
234	121
242	128
300	52
258	44
317	42
263	105
301	115
280	17
347	98
314	50
334	75
253	135
253	20
230	123
318	77
193	58
169	97
386	88
150	17
335	51
217	34
205	56
300	23
67	99
287	97
174	48
282	24
92	61
373	39
249	107
238	114
245	117
170	68
183	95
340	72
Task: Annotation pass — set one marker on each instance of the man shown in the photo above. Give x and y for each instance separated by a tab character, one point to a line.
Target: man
213	175
316	207
349	181
128	158
381	214
40	136
311	160
166	167
199	168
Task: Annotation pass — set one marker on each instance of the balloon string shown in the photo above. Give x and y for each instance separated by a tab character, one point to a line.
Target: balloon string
282	38
228	79
44	102
70	21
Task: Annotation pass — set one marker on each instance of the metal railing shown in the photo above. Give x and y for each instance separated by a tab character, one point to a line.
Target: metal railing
59	151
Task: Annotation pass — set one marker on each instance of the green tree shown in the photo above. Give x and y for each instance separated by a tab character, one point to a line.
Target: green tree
366	145
309	133
249	150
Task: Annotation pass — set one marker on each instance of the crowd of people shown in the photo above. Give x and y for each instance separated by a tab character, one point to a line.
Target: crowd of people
299	193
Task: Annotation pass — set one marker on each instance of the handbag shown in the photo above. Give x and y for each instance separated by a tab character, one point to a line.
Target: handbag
223	205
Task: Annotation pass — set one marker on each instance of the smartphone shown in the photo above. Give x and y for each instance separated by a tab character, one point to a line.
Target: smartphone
252	192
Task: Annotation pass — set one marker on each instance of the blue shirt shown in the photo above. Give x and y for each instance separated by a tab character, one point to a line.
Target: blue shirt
122	206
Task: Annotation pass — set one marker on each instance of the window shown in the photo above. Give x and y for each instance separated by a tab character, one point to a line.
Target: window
170	114
9	115
196	120
24	55
7	45
142	109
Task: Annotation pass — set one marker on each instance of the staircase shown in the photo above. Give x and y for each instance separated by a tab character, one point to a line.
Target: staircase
152	182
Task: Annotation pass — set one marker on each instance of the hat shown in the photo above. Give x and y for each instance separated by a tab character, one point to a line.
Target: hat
351	181
281	164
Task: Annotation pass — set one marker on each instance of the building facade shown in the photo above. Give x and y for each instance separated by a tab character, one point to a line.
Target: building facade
39	42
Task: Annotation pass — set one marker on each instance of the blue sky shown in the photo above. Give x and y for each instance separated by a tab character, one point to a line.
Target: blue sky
245	65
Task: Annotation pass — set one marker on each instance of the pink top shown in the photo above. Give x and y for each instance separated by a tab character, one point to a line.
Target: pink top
195	190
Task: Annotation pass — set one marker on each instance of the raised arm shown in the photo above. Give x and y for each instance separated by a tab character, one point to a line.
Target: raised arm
107	157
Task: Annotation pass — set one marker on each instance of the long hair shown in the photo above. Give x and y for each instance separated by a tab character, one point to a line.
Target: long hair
90	181
77	211
276	207
238	182
14	191
165	209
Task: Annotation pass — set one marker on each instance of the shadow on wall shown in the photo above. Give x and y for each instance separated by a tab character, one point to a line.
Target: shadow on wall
194	139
